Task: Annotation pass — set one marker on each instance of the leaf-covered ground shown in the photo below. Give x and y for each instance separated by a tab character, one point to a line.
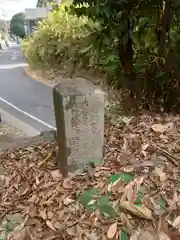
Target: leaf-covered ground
135	195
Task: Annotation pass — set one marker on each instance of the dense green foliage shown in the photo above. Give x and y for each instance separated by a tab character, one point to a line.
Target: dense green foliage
42	3
17	25
62	40
134	43
144	34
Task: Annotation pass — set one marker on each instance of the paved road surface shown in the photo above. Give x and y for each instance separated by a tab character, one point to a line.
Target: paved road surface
26	99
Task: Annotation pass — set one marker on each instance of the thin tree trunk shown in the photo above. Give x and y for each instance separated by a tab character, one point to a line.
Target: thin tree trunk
125	53
163	27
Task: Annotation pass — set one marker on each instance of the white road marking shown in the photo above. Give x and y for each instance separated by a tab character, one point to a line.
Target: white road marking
15	55
27	114
10	66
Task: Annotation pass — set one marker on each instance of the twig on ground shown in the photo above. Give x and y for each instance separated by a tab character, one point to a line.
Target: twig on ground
174	159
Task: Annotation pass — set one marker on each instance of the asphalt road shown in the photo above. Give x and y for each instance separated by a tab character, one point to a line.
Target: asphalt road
26	99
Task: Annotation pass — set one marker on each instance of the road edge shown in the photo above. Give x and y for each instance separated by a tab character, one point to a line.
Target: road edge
35	77
25	128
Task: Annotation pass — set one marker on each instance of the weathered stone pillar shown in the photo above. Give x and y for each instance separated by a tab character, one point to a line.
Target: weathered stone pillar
79	114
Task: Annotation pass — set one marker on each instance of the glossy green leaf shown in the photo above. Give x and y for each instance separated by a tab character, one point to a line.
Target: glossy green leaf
105	207
106	210
139	198
138	204
87	197
171	218
2	237
4	234
161	202
124	235
92	200
103	200
125	177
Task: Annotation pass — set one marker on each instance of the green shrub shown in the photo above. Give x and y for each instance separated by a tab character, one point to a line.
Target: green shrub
64	40
29	49
60	40
25	43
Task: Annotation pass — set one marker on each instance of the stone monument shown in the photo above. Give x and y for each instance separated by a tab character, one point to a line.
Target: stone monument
79	114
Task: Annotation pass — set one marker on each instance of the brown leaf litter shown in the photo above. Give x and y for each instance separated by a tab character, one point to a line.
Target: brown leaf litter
146	147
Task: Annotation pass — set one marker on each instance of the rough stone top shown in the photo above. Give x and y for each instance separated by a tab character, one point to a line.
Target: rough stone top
75	87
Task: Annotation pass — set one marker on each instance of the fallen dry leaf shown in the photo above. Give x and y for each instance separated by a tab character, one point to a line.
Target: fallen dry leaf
112	231
126	222
46	159
117	186
18	234
163	236
67	184
42	214
128	169
135	236
50	225
92	236
56	175
36	188
68	201
159	172
145	235
72	231
160	128
50	214
140	211
176	223
59	225
144	147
